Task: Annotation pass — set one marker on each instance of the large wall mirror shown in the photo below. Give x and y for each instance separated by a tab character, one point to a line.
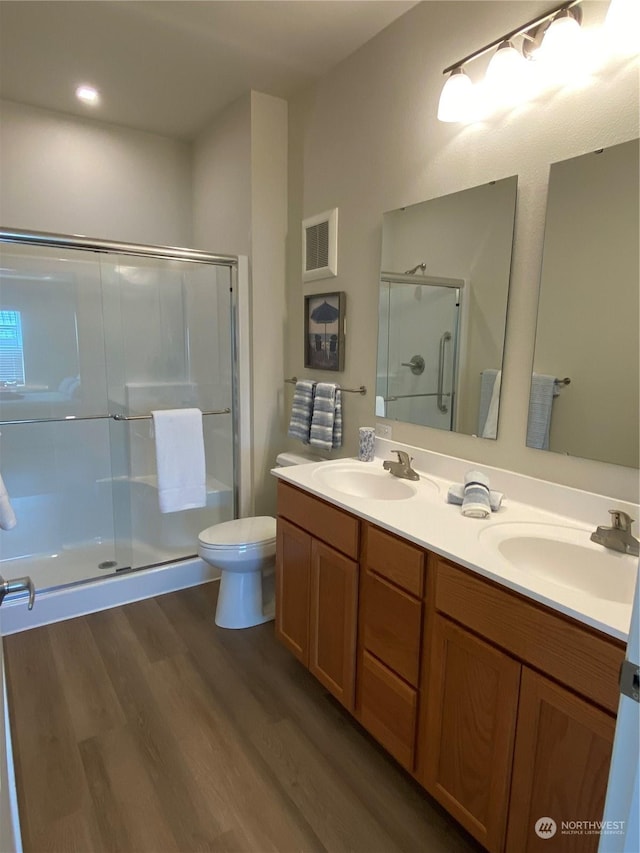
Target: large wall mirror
588	313
444	287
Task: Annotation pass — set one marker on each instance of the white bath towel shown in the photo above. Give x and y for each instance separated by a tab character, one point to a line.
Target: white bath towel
7	515
180	459
380	407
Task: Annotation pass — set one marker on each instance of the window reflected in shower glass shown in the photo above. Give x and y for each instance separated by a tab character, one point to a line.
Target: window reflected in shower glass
51	345
11	354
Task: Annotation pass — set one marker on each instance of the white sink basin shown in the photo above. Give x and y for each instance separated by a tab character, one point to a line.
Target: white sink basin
565	556
361	480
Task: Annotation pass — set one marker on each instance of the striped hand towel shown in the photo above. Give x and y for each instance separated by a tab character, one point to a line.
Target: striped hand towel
543	390
326	421
301	410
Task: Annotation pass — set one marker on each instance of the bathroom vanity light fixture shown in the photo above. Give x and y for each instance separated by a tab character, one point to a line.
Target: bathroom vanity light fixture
551	35
88	95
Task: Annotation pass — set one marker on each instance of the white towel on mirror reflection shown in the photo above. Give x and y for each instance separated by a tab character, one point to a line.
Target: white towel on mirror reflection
7	515
380	409
180	459
491	424
487	384
543	390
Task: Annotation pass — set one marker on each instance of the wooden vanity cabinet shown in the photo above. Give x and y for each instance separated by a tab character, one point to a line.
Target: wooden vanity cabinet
317	588
501	743
390	641
503	709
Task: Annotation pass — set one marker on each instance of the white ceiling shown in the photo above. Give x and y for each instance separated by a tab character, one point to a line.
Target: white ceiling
169	66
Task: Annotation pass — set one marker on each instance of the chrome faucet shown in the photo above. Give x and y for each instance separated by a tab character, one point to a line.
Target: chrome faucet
18	585
617	537
402	468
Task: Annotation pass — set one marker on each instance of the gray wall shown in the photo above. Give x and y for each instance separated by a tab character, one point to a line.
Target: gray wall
366	140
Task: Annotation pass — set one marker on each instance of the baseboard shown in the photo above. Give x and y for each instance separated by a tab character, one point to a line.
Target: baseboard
80	599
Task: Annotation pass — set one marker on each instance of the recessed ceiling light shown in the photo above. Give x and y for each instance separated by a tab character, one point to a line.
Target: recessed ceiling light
88	95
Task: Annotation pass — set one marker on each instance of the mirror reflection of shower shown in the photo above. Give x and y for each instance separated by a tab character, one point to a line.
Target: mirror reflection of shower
418	348
467	236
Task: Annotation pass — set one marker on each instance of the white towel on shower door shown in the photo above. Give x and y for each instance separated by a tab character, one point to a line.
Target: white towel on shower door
180	459
7	515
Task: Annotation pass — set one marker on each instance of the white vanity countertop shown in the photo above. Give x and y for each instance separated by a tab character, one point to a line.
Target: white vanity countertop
429	521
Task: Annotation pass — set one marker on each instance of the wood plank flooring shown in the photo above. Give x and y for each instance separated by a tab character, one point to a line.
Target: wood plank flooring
147	728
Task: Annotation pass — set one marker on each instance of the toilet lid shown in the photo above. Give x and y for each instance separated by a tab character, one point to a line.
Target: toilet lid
240	531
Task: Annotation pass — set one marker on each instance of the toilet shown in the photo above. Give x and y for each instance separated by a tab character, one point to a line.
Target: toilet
244	550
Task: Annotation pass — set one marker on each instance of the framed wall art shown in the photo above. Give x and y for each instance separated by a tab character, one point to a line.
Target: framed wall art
324	335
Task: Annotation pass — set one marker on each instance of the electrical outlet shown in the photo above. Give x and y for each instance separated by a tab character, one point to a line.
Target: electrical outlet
383	430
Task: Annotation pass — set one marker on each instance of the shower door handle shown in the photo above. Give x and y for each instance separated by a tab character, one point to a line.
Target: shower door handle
443	340
18	585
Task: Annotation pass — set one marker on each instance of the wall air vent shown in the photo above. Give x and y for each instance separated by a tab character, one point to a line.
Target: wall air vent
320	246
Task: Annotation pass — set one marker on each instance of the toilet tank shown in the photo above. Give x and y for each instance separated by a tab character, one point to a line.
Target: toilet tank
284	460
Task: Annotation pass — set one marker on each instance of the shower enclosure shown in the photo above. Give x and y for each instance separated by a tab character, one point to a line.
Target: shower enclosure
94	336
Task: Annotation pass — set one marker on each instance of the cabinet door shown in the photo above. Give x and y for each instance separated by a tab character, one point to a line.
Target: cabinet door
560	770
333	605
293	572
467	741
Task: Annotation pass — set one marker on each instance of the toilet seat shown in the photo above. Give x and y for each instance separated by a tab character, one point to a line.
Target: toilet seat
243	536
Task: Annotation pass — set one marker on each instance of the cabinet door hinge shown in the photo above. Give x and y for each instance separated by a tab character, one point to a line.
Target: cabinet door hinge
630	680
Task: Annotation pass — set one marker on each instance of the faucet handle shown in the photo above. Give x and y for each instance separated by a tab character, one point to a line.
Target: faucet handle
403	457
18	585
620	520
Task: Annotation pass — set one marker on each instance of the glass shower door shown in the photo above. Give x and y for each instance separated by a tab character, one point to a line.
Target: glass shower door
168	327
54	447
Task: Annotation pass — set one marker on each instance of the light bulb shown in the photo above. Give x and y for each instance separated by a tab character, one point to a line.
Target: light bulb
506	77
456	98
622	26
562	36
88	94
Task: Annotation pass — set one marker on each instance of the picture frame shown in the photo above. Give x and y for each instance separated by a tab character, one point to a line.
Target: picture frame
324	330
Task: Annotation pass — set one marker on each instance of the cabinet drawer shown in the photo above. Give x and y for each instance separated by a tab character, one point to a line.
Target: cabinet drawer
396	560
577	657
320	519
388	709
391	630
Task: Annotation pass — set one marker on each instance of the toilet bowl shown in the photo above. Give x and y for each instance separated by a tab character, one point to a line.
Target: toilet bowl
244	550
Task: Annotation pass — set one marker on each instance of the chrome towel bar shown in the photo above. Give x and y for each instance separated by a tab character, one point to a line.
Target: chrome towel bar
361	390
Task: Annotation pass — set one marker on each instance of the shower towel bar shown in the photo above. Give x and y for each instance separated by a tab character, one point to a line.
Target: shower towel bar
97	418
361	390
148	417
405	396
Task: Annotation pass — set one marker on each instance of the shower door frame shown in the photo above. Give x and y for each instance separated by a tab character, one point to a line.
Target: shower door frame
240	363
